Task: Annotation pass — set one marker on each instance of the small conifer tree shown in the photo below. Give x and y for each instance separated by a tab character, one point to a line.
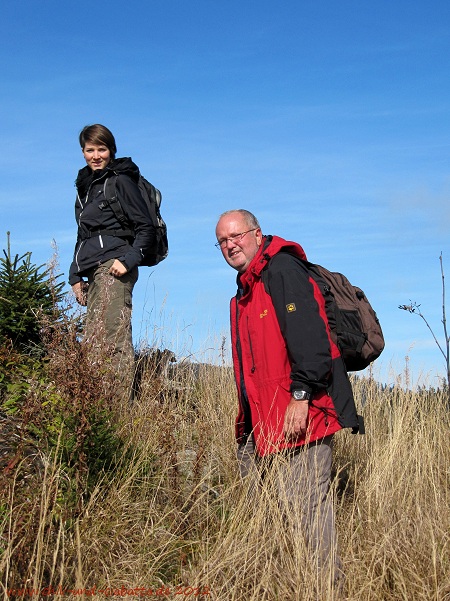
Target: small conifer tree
27	292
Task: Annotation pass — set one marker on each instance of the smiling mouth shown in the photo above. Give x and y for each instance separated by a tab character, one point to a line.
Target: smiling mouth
234	253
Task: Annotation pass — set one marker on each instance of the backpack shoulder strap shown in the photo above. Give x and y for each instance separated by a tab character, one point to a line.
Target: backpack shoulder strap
110	190
265	272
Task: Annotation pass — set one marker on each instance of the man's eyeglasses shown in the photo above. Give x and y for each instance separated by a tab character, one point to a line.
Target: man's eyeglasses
233	239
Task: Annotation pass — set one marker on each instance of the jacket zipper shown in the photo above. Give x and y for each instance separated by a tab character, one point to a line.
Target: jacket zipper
87	197
79	225
243	399
100	239
82	209
253	368
76	255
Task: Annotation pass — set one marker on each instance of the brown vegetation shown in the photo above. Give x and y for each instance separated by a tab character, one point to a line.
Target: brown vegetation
167	511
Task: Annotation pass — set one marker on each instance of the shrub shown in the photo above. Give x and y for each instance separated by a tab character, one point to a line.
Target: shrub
26	292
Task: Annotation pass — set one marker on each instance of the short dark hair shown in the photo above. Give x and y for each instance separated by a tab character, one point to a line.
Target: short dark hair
98	134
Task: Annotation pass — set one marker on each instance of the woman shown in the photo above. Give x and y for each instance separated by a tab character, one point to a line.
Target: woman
106	259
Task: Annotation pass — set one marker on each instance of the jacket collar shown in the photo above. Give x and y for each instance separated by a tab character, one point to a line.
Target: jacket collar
271	246
117	166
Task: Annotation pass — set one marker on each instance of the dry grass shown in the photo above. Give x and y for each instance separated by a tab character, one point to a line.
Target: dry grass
174	513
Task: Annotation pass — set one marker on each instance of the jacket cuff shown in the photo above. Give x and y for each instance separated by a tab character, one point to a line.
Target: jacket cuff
74	279
296	385
125	262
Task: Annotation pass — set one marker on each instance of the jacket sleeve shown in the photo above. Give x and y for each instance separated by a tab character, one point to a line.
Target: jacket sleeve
74	278
301	323
137	212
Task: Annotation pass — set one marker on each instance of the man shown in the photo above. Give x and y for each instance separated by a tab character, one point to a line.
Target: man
293	389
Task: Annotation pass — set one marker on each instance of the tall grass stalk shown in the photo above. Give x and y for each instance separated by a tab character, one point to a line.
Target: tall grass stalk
173	512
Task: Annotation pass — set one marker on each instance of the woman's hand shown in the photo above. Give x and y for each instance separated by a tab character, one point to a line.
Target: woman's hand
80	291
118	269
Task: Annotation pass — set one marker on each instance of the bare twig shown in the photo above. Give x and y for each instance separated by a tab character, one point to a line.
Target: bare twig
444	321
414	307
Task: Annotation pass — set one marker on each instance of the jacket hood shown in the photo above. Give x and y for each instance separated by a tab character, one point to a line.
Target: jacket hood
271	246
121	166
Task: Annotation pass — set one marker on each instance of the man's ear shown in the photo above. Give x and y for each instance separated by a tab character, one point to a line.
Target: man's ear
259	236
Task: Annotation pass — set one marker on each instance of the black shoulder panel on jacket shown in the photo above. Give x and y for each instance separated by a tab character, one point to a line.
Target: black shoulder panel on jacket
301	322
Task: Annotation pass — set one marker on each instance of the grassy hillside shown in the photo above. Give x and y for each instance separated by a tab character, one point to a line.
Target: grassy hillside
144	501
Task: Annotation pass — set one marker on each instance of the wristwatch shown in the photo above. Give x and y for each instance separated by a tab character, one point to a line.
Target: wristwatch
301	395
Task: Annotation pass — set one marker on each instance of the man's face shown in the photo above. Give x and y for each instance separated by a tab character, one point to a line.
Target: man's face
238	252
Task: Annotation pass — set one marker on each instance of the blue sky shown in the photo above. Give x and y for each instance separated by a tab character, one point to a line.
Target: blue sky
329	120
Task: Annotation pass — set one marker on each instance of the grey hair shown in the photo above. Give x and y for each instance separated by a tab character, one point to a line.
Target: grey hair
250	219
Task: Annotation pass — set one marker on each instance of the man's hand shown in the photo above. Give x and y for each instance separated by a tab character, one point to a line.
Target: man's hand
80	291
118	269
295	419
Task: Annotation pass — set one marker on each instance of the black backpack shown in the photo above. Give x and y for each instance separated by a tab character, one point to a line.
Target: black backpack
152	196
353	323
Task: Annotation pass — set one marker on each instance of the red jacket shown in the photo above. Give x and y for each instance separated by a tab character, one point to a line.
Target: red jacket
281	341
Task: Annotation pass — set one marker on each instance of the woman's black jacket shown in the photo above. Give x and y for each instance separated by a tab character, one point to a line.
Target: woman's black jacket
93	215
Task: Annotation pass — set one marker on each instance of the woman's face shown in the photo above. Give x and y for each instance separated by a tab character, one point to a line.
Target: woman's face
97	156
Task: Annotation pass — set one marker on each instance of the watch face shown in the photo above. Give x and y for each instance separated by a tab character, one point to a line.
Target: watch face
300	395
